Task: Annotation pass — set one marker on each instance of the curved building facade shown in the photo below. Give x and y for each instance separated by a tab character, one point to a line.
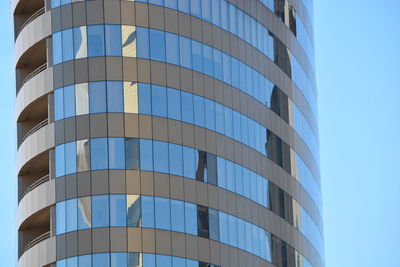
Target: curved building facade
167	133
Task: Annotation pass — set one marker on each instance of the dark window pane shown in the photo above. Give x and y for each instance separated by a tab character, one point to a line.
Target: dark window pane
132	156
202	222
96	40
157	45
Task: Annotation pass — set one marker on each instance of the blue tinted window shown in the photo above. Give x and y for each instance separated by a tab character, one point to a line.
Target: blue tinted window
85	260
178	216
72	262
225	15
184	6
162	212
84	213
172	47
256	240
97	97
143	50
159	100
235	72
67	45
144	99
239	179
71	209
65	2
119	259
223	228
173	4
69	101
175	159
116	153
146	155
148	211
163	260
57	48
80	42
133	210
195	8
157	45
237	133
95	40
253	185
179	262
197	56
208	60
99	153
187	107
228	122
60	218
199	113
186	52
193	263
100	209
189	162
240	19
60	160
101	260
55	3
232	19
58	104
210	114
241	234
206	9
246	183
135	259
230	176
70	158
216	12
117	210
221	172
233	238
160	155
249	234
115	97
217	55
156	2
174	104
113	40
220	124
132	159
226	60
213	224
190	218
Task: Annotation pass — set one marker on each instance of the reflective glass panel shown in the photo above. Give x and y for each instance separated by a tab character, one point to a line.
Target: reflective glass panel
119	259
190	218
128	41
67	45
172	48
69	101
133	210
159	100
70	158
82	98
130	97
178	216
146	155
157	45
160	154
113	40
80	42
97	97
147	211
58	104
60	160
117	210
57	48
100	211
174	104
60	218
84	213
71	209
116	153
99	153
96	40
101	260
132	159
82	154
115	97
175	160
162	212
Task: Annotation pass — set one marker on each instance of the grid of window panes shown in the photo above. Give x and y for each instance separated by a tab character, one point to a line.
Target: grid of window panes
163	157
128	97
129	259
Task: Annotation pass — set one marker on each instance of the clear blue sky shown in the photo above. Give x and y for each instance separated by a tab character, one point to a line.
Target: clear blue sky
358	70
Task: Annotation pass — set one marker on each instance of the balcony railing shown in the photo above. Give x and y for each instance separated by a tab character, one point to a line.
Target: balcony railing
35	129
40	181
34	73
35	241
33	17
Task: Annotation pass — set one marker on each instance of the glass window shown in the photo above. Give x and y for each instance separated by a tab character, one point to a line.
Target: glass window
156	2
221	172
193	263
235	72
163	213
225	15
230	176
130	97
67	45
70	158
187	107
212	169
128	41
189	162
143	50
241	234
71	209
172	47
117	210
237	133
214	224
119	259
175	160
228	122
72	262
80	42
60	218
60	160
201	170
179	262
199	112
249	237
163	260
113	40
226	61
210	114
216	12
134	259
95	40
174	104
157	45
202	222
132	157
85	260
178	216
186	52
190	218
115	97
62	263
233	19
59	104
220	115
133	210
233	235
184	6
160	155
173	4
101	260
256	240
144	99
208	60
84	213
97	97
253	186
223	228
55	3
246	183
159	100
99	154
65	2
197	56
57	48
69	101
147	211
206	9
239	179
100	211
116	153
195	8
146	155
240	19
82	155
82	98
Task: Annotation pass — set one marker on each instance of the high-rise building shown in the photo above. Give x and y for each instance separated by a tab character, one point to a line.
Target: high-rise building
167	133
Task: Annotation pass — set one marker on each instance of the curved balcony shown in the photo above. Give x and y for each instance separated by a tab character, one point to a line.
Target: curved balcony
35	129
35	184
34	73
36	241
25	12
